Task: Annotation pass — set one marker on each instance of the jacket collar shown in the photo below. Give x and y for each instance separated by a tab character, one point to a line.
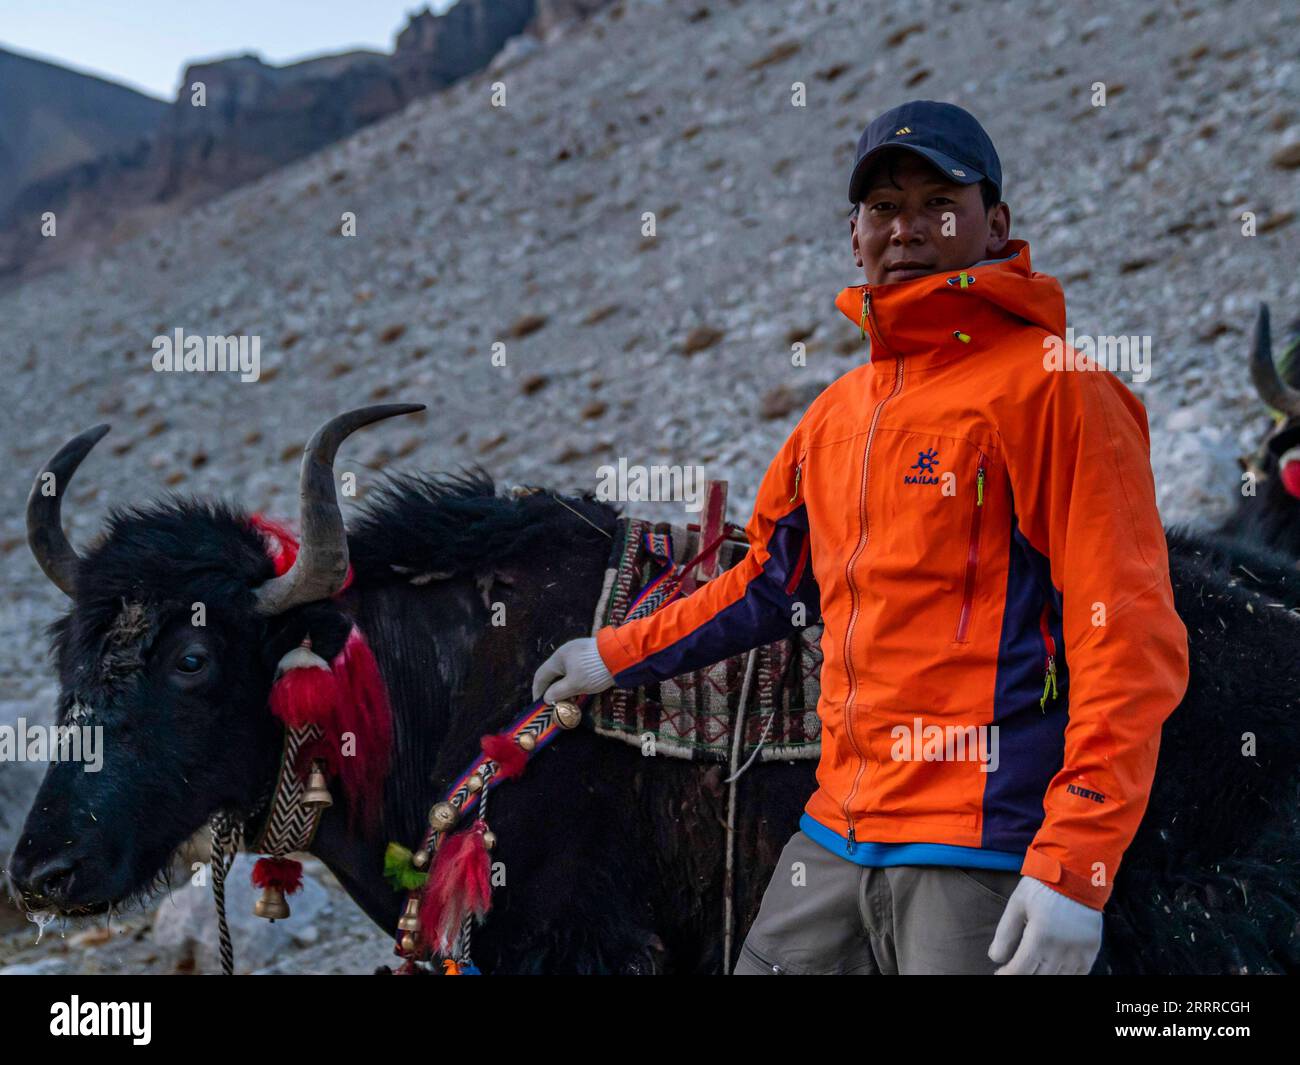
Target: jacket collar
940	317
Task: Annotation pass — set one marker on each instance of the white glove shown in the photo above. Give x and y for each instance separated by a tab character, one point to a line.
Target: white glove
1045	933
574	669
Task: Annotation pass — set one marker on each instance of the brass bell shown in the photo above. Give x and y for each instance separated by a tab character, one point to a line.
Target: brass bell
442	816
567	714
271	906
489	839
410	920
317	795
420	858
527	741
409	943
475	783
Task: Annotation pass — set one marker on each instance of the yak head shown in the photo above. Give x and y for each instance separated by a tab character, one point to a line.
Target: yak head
165	661
1275	464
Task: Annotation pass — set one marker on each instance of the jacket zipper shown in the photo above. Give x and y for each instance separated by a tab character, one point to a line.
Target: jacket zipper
1049	646
802	561
972	556
853	589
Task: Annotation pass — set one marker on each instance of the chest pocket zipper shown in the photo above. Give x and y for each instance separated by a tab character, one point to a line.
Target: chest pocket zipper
1049	646
972	557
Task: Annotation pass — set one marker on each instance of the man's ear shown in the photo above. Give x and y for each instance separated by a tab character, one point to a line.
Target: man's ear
853	238
999	230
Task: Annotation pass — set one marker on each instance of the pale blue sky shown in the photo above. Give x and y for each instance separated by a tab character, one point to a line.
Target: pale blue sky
147	43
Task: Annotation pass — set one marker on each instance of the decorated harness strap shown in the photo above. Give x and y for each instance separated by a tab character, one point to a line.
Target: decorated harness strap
667	585
448	879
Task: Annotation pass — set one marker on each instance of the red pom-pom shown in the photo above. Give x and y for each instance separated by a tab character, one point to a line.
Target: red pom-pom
458	886
282	546
282	873
1289	471
306	695
504	749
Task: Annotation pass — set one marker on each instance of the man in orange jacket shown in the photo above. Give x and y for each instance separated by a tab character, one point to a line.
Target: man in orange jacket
973	514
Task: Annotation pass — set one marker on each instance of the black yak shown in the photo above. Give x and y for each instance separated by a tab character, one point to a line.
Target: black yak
615	861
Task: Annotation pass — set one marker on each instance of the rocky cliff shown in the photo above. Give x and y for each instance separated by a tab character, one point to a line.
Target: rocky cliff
254	118
53	119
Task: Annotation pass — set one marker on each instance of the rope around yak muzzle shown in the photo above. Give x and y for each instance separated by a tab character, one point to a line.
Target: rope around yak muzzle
227	834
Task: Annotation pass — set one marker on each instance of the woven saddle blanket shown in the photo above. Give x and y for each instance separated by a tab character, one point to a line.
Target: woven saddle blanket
697	715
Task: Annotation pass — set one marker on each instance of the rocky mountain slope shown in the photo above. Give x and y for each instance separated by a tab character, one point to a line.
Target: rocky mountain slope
52	118
523	225
255	117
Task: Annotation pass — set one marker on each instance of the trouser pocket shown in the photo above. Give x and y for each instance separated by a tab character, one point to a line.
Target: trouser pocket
998	883
753	962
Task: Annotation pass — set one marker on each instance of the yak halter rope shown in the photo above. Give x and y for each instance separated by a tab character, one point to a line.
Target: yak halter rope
227	831
293	811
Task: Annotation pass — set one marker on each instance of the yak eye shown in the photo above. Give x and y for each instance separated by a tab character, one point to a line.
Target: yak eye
192	662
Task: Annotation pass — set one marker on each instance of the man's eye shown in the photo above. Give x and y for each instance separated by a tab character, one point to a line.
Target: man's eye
883	205
191	663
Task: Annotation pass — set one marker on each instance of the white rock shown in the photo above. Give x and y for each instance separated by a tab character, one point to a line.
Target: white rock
188	919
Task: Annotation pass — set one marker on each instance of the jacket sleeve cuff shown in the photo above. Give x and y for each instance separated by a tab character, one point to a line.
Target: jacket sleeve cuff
613	654
1066	881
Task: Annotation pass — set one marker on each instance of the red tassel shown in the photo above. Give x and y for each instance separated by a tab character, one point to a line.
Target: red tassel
363	729
305	695
458	885
504	749
282	873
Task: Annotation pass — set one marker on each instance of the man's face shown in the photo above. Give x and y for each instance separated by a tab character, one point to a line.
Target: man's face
913	222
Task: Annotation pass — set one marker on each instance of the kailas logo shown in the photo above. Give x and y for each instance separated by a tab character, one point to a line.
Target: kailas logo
901	130
925	463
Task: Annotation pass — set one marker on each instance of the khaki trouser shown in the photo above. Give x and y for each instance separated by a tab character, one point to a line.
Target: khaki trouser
822	914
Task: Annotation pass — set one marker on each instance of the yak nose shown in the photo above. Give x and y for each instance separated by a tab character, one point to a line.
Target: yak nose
49	880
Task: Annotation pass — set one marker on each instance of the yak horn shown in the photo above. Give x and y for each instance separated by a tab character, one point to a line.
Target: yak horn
322	563
1274	391
56	557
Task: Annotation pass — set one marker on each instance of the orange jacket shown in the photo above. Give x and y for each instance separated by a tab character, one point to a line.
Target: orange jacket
981	535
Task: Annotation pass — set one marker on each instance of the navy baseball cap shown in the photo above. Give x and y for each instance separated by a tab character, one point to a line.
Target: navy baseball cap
948	136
